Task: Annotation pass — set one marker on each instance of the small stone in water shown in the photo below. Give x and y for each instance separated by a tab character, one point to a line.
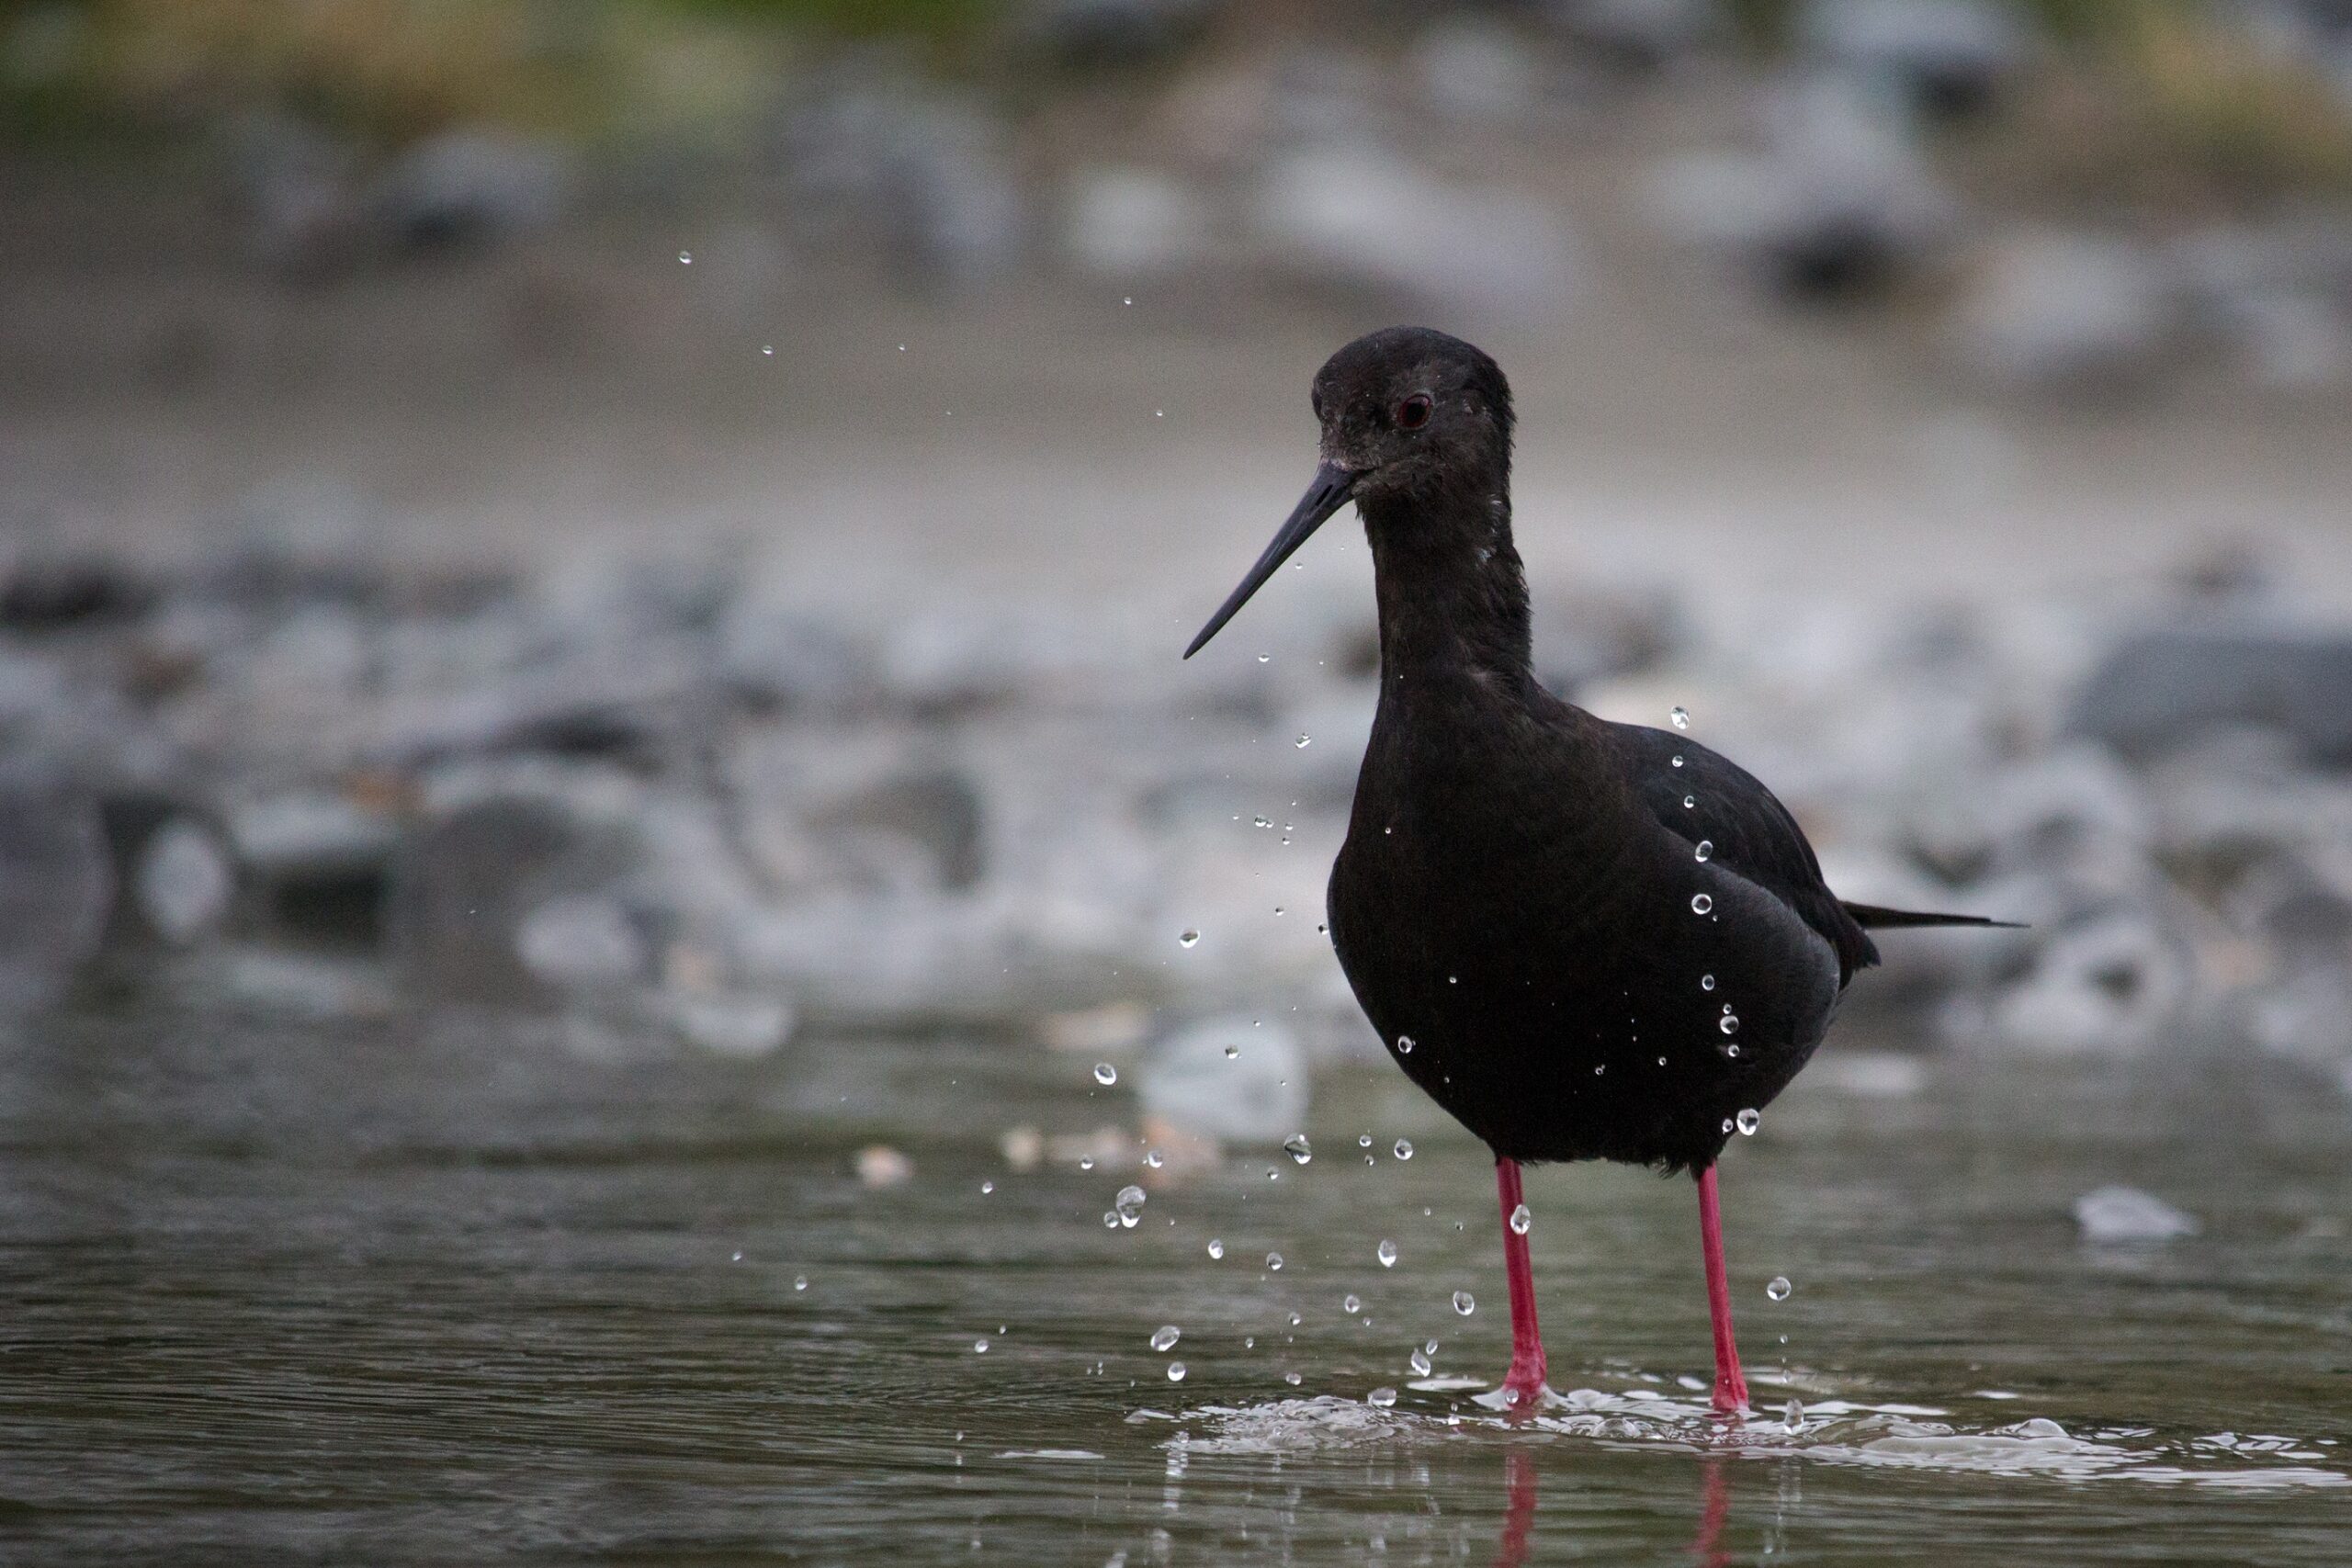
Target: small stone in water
1175	1371
1382	1397
1404	1045
1700	903
1188	938
1165	1335
1295	1146
1464	1302
1520	1220
1706	849
1680	716
1419	1362
1274	1262
1104	1073
1748	1120
1351	1304
1386	1253
1404	1149
1217	1247
1778	1288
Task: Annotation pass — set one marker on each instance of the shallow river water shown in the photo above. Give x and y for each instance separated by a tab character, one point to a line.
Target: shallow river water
480	1290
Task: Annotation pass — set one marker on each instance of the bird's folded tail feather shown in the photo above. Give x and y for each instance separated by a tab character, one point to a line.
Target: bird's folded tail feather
1870	917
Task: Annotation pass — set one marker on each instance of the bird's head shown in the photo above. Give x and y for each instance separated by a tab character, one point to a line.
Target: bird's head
1405	411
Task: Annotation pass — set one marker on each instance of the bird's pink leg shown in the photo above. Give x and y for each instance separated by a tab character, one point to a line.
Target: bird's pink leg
1523	1388
1731	1388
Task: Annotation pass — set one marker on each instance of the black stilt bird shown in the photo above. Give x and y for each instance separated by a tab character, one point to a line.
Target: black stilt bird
1583	940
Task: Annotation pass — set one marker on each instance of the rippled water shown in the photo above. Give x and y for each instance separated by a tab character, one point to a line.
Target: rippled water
485	1289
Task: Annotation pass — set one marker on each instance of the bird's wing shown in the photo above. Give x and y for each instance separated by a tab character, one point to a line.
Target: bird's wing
1751	833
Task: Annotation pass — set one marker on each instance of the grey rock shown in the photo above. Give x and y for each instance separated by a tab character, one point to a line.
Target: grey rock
1351	217
2068	312
741	1024
2128	1214
57	888
2112	983
2162	687
1950	56
1259	1095
582	942
183	882
318	864
466	186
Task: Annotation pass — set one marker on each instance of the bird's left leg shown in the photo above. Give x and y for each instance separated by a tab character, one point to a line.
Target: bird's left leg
1731	1388
1523	1388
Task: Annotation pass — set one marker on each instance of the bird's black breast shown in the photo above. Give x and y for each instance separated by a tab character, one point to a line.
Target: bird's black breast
1574	981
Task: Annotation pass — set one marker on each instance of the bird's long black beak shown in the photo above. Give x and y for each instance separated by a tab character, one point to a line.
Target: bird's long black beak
1332	487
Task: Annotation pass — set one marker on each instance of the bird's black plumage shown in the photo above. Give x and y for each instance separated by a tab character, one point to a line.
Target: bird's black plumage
1583	940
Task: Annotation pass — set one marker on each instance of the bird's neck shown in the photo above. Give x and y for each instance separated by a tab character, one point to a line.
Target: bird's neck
1452	594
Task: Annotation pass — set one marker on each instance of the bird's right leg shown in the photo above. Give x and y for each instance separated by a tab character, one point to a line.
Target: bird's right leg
1523	1388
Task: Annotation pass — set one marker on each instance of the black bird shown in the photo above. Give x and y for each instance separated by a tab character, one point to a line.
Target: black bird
1583	940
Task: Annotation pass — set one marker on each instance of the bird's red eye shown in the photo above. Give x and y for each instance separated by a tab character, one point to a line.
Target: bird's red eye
1413	412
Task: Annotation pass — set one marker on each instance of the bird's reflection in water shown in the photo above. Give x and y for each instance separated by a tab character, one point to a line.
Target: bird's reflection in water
1707	1549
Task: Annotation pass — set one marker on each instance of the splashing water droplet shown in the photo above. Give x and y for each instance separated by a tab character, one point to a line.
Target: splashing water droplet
1293	1379
1086	1162
1154	1159
800	1281
1706	982
1728	1024
1520	1220
1706	850
980	1346
1304	742
1263	658
1680	716
1727	1124
1217	1247
685	258
1419	1362
1404	1045
1404	1149
1274	1262
1129	1203
1677	758
1690	802
1386	1253
768	350
1464	1302
1351	1304
1189	939
1747	1121
1792	1416
987	1188
1278	908
1175	1371
1231	1051
1779	1288
1382	1397
1104	1073
1260	822
1165	1336
1296	1145
1700	903
1731	1050
1109	1219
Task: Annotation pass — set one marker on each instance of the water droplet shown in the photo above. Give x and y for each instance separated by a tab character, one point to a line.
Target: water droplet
1086	1162
987	1188
1382	1397
1404	1045
1728	1024
737	1259
1747	1121
980	1346
1792	1416
1188	938
1351	1304
1731	1050
1779	1288
685	258
1274	1262
1386	1253
1677	758
768	349
1700	903
1278	908
1429	1347
1295	1146
1419	1362
1599	1069
1661	1061
1688	801
1264	657
1175	1371
1404	1149
1104	1073
1521	1219
1454	979
1464	1302
1302	741
1109	1219
1727	1124
1154	1159
1706	982
1681	717
1217	1247
1260	822
1127	299
1231	1051
1129	1203
800	1281
1293	1379
1164	1337
1706	850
